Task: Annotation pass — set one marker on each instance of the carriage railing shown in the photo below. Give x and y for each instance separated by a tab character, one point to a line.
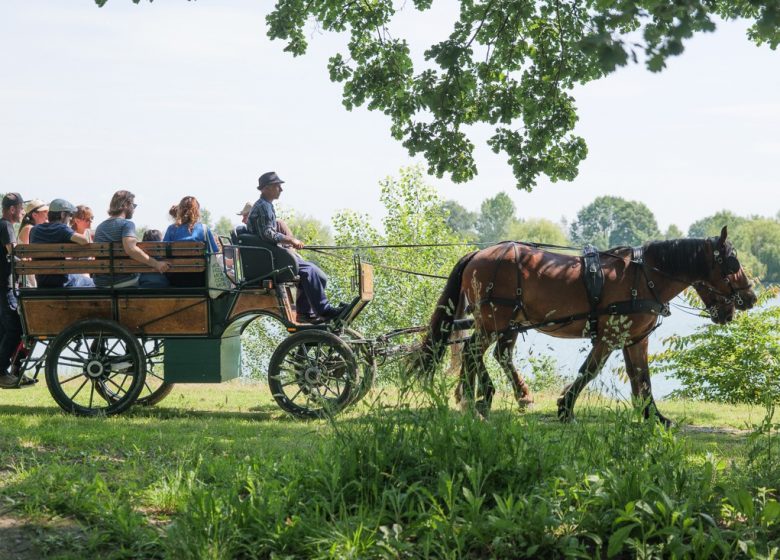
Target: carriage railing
105	258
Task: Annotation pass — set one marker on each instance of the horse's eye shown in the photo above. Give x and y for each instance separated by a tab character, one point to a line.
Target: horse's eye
732	264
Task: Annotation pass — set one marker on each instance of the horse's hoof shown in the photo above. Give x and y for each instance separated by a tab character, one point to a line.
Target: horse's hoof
482	408
565	415
525	403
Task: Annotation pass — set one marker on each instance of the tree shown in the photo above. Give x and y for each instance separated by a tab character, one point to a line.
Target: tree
205	216
673	232
756	239
760	239
610	221
309	229
538	231
223	226
496	215
711	225
460	219
511	64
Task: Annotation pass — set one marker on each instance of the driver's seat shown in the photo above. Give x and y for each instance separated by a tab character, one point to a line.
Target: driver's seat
261	260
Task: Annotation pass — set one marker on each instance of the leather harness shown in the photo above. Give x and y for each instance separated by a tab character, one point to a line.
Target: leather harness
593	278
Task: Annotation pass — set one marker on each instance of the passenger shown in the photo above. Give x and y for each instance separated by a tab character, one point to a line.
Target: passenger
119	227
56	230
153	279
81	222
312	303
241	229
35	212
10	324
188	227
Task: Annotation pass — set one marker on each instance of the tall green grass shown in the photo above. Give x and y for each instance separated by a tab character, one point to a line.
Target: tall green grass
211	475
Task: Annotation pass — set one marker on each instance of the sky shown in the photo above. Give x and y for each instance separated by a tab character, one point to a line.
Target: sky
191	98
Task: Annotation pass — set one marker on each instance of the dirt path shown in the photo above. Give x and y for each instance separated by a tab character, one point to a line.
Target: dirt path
18	538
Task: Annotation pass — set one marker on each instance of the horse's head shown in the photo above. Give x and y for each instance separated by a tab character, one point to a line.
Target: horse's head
727	287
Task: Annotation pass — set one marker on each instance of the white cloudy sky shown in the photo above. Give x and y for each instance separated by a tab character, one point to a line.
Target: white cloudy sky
176	98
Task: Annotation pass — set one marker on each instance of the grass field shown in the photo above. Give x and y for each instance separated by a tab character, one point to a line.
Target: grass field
217	471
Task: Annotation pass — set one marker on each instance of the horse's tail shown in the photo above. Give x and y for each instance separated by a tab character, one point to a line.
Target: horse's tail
433	346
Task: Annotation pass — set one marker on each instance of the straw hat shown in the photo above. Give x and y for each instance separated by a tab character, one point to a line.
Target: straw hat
35	205
247	209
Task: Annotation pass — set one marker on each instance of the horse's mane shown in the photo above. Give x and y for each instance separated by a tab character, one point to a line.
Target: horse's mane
686	257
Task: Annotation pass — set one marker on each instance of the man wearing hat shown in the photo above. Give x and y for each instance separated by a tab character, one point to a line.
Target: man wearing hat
312	304
57	230
10	325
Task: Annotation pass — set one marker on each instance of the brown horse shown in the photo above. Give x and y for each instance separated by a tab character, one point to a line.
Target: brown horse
514	287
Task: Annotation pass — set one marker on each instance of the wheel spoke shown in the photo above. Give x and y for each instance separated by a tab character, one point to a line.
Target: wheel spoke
328	388
120	388
110	350
69	361
91	394
73	396
69	379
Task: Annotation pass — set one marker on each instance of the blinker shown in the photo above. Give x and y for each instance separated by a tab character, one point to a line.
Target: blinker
731	265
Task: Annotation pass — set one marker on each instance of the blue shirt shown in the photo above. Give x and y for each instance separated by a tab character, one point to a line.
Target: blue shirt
262	222
111	231
55	232
198	233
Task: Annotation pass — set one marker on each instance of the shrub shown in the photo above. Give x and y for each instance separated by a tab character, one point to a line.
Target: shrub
734	363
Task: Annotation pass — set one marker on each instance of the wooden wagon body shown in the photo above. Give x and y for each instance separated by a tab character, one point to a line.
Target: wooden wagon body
186	335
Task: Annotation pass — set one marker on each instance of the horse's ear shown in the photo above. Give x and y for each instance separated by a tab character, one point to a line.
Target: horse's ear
723	233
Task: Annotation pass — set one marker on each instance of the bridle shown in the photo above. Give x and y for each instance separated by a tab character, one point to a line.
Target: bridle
725	259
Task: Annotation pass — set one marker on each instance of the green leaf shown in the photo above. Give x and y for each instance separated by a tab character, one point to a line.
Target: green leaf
617	539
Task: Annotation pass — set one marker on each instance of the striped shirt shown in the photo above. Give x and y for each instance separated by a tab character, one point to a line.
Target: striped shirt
262	222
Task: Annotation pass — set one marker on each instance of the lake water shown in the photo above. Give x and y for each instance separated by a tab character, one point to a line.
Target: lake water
571	353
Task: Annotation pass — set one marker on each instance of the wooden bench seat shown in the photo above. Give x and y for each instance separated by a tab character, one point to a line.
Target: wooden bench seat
106	258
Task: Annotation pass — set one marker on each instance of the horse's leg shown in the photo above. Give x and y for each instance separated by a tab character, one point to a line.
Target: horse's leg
504	351
589	370
486	388
465	392
639	373
473	371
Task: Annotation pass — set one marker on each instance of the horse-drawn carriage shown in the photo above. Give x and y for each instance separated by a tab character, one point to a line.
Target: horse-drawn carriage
105	349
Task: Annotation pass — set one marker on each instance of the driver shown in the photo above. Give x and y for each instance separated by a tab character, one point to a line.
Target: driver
311	304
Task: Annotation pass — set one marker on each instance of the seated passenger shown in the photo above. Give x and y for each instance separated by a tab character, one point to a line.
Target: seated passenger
119	227
188	227
57	230
312	303
153	279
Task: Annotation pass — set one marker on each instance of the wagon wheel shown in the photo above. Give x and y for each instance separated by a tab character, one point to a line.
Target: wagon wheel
312	374
367	369
155	388
95	367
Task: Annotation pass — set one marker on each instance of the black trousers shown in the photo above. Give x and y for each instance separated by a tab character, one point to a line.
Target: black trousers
10	328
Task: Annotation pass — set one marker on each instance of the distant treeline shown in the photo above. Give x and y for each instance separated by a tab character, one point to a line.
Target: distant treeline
610	221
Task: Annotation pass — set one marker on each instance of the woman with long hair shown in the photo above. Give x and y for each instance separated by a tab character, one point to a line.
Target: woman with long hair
35	212
188	227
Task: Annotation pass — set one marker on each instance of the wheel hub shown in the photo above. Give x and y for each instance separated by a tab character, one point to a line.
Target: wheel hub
94	369
312	375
